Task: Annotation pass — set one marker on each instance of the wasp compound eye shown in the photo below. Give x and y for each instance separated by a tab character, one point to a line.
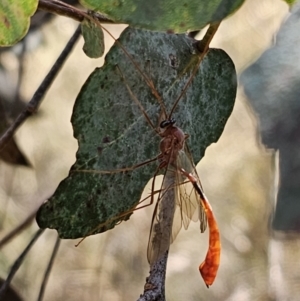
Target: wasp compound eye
167	122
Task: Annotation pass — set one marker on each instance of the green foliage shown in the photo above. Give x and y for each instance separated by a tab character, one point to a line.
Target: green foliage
15	20
93	39
172	15
290	2
113	133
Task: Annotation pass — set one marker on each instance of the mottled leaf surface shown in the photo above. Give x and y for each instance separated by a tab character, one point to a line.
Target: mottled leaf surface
93	39
113	133
15	20
168	15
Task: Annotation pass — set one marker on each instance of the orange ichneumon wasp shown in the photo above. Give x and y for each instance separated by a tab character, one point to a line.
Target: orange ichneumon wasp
113	156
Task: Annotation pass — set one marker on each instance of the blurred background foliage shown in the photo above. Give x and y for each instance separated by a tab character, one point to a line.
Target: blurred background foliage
239	175
271	85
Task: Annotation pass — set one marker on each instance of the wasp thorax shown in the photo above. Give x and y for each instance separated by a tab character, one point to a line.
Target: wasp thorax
172	142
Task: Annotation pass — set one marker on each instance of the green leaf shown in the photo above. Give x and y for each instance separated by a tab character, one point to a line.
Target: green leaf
93	39
168	15
113	133
15	20
290	2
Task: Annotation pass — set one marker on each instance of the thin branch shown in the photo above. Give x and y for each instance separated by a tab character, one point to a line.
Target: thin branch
38	96
21	56
23	225
154	289
48	270
66	10
18	263
55	7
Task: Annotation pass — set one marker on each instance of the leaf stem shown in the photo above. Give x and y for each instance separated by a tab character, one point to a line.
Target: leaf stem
203	45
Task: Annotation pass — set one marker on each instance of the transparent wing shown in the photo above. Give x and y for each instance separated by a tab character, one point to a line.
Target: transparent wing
188	205
162	220
177	204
